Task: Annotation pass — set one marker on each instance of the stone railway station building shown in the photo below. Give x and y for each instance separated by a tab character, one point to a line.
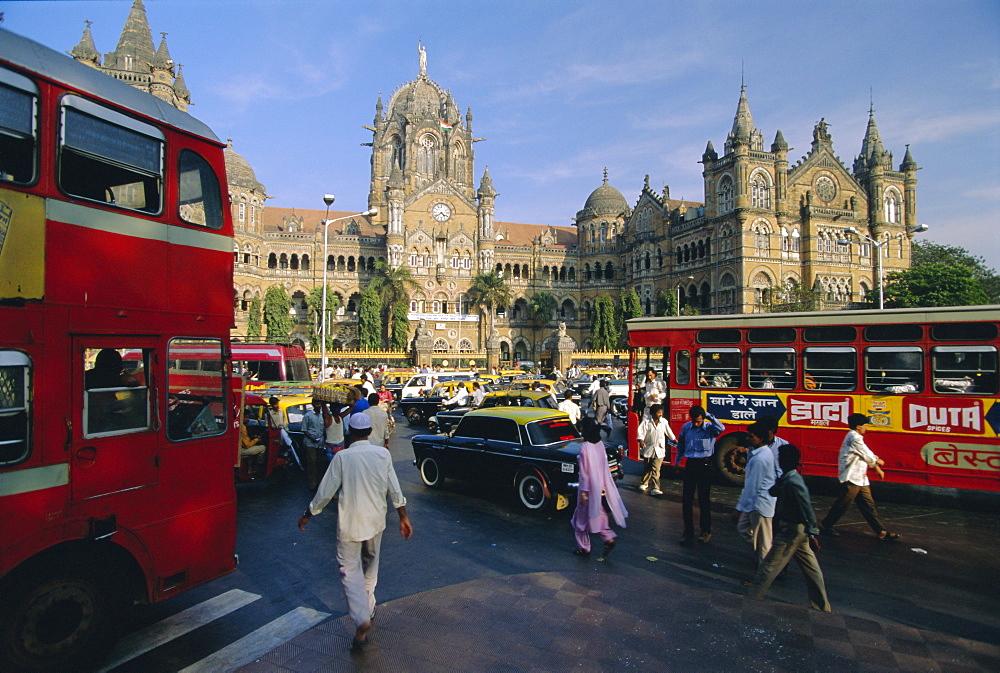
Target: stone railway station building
766	227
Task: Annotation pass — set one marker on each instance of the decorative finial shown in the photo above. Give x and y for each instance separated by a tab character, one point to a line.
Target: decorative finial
88	22
743	85
605	175
163	34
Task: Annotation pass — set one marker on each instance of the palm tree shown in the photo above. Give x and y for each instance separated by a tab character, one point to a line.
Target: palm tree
543	305
394	287
489	291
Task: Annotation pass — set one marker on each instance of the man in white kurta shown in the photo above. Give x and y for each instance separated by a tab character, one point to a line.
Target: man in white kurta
653	434
360	477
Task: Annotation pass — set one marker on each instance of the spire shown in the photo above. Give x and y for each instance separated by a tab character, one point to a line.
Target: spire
486	185
86	51
135	45
710	154
378	108
162	58
779	144
908	163
605	175
180	86
873	152
744	132
468	119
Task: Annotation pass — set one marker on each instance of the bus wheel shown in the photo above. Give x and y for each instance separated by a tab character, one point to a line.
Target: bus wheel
731	459
58	618
414	416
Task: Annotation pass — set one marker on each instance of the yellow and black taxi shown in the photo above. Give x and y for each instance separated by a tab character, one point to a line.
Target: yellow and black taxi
534	451
446	419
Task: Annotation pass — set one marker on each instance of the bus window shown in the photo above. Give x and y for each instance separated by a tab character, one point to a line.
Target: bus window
196	392
683	368
964	331
18	127
199	199
970	370
834	368
15	379
894	369
771	335
830	334
772	368
297	370
108	157
116	399
892	332
719	368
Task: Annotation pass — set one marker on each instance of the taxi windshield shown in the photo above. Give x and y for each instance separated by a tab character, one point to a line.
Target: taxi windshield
552	431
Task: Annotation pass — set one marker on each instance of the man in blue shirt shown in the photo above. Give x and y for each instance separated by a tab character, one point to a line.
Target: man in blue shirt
697	444
756	504
314	424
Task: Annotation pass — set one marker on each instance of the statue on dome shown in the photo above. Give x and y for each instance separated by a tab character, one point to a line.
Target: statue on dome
423	59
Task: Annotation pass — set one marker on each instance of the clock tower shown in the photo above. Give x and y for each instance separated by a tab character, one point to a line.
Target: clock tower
423	183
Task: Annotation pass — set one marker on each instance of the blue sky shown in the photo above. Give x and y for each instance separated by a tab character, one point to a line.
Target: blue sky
563	88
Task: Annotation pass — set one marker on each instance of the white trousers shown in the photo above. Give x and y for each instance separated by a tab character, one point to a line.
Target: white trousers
358	562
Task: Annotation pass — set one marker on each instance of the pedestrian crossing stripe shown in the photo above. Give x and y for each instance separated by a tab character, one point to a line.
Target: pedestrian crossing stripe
260	642
175	626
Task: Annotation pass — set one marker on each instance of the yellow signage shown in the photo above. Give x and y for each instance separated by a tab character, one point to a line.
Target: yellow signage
22	245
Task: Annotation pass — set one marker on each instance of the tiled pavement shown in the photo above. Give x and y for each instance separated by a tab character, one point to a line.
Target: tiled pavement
595	621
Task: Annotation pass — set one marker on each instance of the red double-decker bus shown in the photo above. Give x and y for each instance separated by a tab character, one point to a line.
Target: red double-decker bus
116	478
927	378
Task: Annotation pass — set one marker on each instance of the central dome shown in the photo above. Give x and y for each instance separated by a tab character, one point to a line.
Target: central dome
606	200
238	170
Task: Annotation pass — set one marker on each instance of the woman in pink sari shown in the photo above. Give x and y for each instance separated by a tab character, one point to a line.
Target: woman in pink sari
595	481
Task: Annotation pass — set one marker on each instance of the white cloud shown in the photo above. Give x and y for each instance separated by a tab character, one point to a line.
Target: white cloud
939	128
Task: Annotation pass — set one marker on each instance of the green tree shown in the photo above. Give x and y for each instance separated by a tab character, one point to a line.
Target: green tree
604	332
934	284
253	320
394	287
400	332
630	308
666	303
927	252
370	319
542	306
490	291
314	301
276	305
795	299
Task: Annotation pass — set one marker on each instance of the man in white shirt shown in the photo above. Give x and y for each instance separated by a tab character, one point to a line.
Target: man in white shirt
570	406
855	459
380	422
756	504
654	391
653	434
360	477
460	399
478	394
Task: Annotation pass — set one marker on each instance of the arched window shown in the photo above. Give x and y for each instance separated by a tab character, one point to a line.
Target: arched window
331	265
426	154
727	292
464	345
500	269
586	271
341	263
687	253
568	310
701	249
891	203
572	273
647	260
294	263
609	271
305	262
760	190
659	258
283	261
598	271
440	345
458	161
350	263
562	273
762	288
725	194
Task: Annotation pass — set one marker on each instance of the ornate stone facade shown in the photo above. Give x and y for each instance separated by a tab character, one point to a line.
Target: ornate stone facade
764	231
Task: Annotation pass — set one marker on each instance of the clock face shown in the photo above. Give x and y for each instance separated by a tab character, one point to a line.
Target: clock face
441	212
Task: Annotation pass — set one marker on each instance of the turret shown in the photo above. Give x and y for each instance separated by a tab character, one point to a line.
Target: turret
85	51
909	168
183	96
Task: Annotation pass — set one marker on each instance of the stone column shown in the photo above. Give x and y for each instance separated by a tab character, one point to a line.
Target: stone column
562	351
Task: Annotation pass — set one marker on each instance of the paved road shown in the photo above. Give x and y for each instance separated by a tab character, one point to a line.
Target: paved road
941	578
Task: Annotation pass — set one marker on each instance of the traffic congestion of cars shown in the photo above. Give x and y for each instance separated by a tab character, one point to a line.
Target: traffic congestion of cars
517	437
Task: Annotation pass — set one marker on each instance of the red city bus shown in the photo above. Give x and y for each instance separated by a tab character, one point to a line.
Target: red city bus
264	364
116	478
926	377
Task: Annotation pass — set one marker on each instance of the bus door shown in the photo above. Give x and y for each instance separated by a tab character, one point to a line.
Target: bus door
113	435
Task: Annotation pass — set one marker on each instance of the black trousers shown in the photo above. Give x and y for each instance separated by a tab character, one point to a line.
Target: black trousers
697	475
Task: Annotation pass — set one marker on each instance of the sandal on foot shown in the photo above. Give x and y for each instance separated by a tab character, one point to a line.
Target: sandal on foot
581	552
609	547
889	537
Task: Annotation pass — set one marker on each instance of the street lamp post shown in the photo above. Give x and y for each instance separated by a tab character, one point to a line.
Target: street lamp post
679	285
328	199
878	251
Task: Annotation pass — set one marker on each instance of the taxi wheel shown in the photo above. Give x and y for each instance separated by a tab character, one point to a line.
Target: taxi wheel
531	491
414	416
430	472
432	426
731	458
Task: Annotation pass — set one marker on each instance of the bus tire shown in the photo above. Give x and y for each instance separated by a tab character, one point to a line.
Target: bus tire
58	617
731	458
